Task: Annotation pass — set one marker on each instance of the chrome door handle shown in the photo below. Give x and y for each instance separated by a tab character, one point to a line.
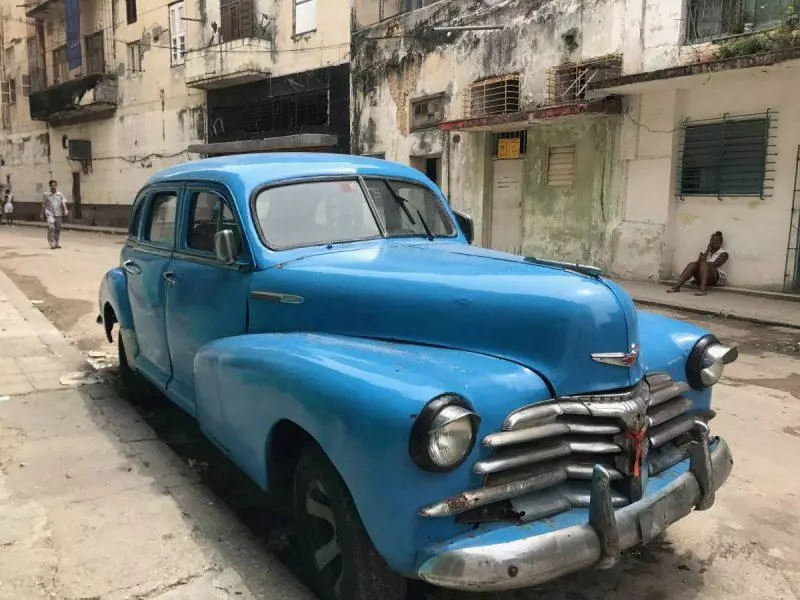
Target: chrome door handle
169	277
131	267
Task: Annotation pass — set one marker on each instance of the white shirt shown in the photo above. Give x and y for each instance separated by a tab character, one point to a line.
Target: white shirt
712	257
8	206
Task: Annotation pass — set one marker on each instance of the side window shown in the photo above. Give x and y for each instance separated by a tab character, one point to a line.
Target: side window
209	214
160	227
136	217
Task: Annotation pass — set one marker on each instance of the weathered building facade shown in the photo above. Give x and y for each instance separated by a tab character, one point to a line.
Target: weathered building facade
100	94
100	101
580	131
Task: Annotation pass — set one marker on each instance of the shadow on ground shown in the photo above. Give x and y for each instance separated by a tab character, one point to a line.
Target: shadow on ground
656	572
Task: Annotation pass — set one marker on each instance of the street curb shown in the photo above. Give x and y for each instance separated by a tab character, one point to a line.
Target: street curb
74	227
711	313
49	335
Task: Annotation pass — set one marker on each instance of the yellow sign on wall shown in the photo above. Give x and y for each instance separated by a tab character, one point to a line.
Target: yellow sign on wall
508	148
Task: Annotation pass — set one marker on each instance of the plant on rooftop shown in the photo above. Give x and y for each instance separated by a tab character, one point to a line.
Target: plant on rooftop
782	38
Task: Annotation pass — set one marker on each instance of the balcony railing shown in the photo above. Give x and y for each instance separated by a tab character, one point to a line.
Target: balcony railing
709	19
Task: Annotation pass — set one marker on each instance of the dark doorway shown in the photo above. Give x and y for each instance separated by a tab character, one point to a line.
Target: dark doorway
76	194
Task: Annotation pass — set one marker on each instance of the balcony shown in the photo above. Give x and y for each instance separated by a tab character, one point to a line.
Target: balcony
231	63
60	95
46	10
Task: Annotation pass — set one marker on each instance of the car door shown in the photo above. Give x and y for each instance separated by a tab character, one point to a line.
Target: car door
145	259
206	298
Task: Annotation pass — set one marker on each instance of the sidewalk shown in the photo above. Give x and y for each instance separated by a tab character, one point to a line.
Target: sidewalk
765	309
76	227
92	503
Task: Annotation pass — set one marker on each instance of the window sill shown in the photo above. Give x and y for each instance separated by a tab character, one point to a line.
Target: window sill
305	35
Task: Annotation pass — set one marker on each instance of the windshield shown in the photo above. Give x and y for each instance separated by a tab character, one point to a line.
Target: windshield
321	212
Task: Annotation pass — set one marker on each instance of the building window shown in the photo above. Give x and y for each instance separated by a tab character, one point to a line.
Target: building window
95	53
8	91
305	16
236	19
130	11
724	159
135	57
560	166
60	69
177	33
26	86
427	112
495	96
707	19
430	165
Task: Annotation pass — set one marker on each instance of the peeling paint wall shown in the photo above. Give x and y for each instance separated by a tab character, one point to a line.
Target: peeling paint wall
402	59
156	119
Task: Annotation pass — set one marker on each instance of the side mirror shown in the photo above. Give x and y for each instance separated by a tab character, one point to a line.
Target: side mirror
227	246
466	225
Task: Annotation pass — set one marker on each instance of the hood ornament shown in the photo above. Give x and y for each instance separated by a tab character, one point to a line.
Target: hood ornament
618	359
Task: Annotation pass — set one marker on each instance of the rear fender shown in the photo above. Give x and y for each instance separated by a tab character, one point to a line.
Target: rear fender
357	398
115	307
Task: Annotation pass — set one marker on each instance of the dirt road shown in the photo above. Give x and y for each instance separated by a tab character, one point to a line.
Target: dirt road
747	547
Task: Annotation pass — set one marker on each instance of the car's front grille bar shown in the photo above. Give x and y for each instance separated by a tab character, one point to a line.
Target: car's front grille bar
544	456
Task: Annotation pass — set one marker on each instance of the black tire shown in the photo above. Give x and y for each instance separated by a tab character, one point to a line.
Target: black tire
326	518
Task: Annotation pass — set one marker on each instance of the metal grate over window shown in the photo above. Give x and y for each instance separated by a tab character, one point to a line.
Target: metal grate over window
731	157
495	96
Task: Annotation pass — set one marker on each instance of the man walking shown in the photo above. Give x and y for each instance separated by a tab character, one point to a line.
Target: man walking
8	206
54	208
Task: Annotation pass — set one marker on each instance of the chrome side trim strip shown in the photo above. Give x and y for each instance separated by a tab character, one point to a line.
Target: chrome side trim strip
275	297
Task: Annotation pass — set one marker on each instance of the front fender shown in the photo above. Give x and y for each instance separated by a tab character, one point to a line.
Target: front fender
358	399
666	345
114	293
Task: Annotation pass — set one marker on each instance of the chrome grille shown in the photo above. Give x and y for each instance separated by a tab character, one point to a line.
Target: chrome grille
543	457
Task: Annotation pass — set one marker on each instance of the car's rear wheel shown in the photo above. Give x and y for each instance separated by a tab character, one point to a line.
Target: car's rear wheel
336	554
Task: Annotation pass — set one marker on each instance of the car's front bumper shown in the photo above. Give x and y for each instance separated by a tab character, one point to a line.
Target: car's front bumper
467	564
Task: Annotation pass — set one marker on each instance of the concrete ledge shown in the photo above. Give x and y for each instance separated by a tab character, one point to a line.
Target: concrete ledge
729	289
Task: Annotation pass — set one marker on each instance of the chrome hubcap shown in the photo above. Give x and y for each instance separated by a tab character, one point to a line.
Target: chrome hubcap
324	539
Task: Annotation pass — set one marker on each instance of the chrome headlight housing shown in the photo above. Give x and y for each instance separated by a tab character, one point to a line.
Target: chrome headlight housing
707	362
443	434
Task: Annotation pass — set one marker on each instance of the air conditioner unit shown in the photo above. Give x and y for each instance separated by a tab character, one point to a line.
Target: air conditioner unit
80	150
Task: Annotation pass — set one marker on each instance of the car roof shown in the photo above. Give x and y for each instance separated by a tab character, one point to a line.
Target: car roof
245	172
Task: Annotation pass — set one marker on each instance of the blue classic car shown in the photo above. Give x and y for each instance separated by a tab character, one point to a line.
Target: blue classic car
428	409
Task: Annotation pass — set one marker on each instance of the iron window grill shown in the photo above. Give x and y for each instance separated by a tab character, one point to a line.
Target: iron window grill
569	82
495	96
734	156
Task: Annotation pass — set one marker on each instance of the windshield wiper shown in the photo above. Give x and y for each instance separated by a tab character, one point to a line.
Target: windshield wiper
431	237
403	204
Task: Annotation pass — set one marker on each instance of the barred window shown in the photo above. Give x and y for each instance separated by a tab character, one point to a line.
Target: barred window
724	159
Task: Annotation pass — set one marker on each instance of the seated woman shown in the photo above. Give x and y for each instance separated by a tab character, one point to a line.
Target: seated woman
707	269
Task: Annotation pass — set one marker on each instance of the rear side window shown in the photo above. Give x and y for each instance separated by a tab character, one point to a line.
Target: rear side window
160	228
136	217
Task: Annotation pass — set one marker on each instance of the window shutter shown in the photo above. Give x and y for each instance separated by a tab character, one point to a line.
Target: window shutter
561	166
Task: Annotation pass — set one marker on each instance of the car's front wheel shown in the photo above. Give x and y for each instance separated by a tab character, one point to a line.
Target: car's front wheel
337	556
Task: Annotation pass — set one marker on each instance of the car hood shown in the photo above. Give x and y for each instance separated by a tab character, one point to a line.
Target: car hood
457	296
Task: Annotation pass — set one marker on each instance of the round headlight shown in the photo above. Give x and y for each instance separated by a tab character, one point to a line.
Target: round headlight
443	434
707	362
